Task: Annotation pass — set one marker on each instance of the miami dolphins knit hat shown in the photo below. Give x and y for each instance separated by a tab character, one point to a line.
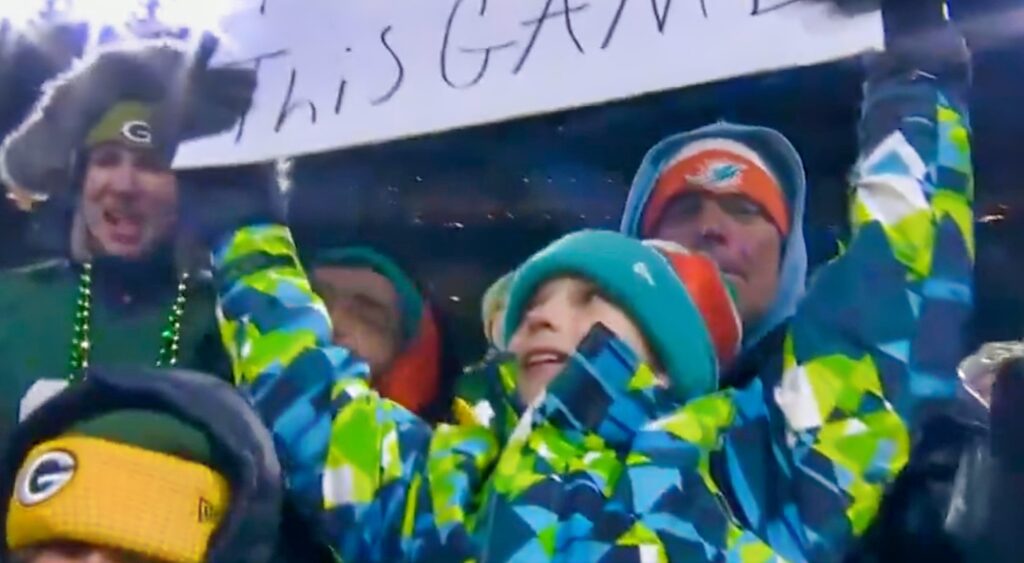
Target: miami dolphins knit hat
679	300
722	157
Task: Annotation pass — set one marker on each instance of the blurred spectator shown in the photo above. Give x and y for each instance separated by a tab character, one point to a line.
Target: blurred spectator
479	387
381	314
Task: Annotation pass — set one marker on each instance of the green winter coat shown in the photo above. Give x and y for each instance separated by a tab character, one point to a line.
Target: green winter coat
129	311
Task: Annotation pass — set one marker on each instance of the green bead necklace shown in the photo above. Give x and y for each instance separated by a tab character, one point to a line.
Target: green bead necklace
169	337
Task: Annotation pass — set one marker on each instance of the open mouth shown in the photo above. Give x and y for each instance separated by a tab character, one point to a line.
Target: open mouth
542	358
125	228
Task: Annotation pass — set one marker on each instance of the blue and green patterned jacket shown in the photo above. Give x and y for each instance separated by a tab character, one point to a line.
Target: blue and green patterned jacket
888	317
382	485
606	467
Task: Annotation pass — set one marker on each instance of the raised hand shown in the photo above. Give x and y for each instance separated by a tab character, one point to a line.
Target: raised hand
203	101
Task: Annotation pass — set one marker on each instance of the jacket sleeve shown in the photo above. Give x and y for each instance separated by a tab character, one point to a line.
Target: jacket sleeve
630	478
672	504
873	349
562	461
377	483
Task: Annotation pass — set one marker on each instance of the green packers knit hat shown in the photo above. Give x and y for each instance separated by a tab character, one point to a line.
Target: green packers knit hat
128	123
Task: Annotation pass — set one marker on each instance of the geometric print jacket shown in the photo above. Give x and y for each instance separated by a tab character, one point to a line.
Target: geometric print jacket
606	467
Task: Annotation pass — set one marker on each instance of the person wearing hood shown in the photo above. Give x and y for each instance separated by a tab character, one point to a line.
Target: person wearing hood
736	192
97	147
139	466
380	314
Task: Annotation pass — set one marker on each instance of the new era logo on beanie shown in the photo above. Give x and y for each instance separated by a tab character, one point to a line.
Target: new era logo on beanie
678	300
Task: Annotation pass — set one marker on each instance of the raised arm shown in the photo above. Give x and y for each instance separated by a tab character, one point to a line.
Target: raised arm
873	349
367	472
901	293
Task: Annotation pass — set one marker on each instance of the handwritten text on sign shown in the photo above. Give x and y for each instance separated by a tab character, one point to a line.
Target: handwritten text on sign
341	73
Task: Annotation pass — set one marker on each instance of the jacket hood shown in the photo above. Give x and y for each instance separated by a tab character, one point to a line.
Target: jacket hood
784	161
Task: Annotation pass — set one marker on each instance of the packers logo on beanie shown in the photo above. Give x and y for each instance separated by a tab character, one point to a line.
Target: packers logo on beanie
127	123
154	494
679	300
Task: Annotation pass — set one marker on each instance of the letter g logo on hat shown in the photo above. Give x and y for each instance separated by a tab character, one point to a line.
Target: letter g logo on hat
137	132
44	477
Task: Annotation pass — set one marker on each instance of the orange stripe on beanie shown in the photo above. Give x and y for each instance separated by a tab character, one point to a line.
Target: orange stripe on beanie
718	166
711	294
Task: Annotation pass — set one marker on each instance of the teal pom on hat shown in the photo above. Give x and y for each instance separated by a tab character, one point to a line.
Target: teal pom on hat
640	280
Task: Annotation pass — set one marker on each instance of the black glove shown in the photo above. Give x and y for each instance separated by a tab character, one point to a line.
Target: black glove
919	38
1008	415
218	201
204	101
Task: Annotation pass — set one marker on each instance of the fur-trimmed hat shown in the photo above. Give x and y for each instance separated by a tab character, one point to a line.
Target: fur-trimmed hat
154	94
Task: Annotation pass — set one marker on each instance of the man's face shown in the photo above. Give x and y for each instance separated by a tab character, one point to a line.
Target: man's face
365	311
129	201
557	319
737	234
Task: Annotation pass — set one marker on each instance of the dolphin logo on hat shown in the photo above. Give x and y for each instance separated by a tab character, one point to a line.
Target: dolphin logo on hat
719	174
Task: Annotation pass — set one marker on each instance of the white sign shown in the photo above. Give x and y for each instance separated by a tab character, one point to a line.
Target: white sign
339	73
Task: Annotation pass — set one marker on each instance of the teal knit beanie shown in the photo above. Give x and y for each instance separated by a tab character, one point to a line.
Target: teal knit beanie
646	284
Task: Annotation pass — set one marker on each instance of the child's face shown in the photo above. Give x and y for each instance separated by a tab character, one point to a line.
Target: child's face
557	319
